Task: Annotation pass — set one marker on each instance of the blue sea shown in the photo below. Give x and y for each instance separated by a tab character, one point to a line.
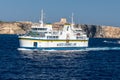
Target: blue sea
100	61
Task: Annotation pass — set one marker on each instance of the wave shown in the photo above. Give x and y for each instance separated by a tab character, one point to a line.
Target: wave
113	42
102	48
84	49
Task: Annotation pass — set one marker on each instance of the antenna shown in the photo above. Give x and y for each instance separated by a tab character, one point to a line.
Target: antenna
42	15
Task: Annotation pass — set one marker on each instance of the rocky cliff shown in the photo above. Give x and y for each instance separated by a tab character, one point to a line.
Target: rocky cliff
14	27
91	30
101	31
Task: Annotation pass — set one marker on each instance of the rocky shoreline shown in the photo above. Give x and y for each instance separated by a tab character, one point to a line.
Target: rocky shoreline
93	31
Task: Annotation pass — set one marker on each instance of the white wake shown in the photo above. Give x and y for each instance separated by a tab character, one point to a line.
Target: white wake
84	49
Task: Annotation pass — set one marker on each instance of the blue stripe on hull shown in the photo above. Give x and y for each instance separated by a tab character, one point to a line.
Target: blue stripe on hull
56	48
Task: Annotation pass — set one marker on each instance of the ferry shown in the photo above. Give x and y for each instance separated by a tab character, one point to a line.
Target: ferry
45	37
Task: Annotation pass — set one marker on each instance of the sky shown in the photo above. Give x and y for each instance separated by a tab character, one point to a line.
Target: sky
97	12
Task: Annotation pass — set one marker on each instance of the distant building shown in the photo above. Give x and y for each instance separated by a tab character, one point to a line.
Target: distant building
63	20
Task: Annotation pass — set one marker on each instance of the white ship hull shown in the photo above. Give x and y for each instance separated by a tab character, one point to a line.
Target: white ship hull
42	44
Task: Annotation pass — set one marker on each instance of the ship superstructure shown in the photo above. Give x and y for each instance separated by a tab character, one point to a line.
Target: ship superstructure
44	37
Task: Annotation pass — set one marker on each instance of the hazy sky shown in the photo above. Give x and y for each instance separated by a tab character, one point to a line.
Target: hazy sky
100	12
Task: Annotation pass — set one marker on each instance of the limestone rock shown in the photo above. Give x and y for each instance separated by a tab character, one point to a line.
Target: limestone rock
92	31
14	27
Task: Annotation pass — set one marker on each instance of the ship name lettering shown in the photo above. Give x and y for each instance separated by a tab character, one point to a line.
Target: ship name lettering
66	44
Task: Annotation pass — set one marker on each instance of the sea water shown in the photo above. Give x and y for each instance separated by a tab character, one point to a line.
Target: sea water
100	61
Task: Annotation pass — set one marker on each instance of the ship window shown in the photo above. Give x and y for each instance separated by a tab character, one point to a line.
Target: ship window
67	28
42	34
55	32
60	33
39	28
80	38
42	28
52	37
35	44
35	34
34	28
55	36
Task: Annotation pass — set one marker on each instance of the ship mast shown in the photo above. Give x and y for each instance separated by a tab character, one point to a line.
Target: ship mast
41	20
72	22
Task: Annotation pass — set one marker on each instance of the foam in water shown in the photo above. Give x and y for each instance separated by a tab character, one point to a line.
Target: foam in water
112	42
84	49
